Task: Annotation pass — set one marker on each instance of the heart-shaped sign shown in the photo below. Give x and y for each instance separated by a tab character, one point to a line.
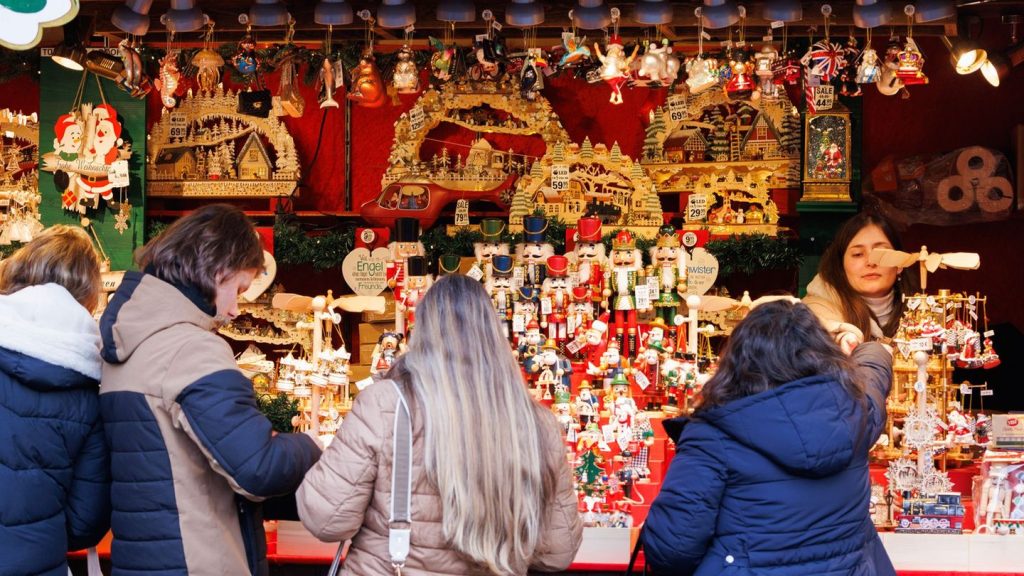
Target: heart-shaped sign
263	280
701	272
366	273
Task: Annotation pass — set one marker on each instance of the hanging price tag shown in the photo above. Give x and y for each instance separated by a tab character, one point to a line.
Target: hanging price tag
824	97
697	208
545	305
677	108
178	125
987	392
518	323
641	380
517	277
989	334
364	383
475	272
118	174
654	287
416	118
965	389
921	345
462	212
560	177
643	297
573	346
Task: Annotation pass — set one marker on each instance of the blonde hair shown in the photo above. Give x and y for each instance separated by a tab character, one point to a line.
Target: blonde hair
61	255
484	433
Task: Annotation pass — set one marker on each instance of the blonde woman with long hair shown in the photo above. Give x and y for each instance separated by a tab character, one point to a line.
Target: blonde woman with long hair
491	488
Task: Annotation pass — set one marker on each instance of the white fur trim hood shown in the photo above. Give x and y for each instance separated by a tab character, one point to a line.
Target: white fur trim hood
47	323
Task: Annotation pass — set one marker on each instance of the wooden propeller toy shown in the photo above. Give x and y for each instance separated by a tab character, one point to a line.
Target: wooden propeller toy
928	261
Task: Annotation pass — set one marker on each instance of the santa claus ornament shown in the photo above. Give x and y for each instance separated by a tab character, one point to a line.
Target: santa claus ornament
103	146
615	66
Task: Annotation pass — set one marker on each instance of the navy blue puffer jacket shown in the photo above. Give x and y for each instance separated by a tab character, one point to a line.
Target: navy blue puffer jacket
54	467
775	483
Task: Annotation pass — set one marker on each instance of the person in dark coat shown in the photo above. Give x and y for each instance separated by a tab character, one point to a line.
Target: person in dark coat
54	466
771	472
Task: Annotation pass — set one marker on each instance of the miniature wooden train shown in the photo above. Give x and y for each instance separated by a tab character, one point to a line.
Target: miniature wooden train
939	514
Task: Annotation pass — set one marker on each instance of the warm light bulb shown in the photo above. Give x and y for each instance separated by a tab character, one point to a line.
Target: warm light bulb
988	70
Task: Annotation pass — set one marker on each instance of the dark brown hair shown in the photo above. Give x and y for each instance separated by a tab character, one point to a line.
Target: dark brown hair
61	255
777	343
831	269
203	247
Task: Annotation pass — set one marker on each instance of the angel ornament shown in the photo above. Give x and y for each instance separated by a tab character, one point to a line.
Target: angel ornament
615	66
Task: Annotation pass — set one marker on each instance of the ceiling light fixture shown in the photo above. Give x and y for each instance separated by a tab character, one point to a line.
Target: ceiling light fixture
132	17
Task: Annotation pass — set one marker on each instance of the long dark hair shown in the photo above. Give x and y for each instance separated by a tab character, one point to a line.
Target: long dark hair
831	269
777	343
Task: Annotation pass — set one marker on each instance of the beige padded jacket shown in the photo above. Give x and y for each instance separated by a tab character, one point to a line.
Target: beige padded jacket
348	495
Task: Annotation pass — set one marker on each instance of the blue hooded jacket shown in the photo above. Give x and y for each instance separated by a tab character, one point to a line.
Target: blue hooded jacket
775	483
54	466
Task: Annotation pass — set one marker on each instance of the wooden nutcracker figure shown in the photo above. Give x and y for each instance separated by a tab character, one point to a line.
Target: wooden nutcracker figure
527	305
389	347
588	406
533	253
448	264
623	410
405	243
503	296
550	360
621	279
668	265
562	408
555	295
589	261
491	245
637	455
612	364
417	281
530	342
581	311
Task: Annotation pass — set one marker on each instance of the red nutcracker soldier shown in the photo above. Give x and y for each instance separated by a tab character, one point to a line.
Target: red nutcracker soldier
589	261
534	251
417	282
491	245
621	279
499	287
555	292
668	265
581	312
404	244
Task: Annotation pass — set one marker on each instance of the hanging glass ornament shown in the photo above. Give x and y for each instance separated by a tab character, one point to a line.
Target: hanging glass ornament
406	78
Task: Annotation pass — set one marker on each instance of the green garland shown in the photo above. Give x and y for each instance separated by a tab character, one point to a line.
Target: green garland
324	250
279	410
8	249
751	253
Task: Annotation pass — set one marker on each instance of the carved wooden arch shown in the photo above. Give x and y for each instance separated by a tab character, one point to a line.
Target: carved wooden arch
537	115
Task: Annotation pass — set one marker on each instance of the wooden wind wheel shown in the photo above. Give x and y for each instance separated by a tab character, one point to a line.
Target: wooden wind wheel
929	262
